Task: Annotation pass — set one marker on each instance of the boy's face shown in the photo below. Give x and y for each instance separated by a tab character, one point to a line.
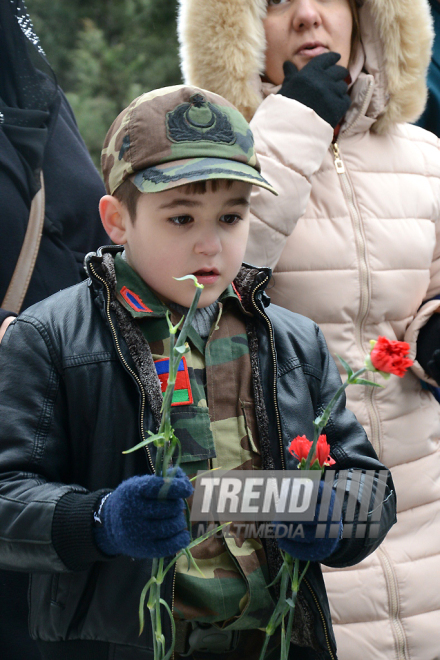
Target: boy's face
176	233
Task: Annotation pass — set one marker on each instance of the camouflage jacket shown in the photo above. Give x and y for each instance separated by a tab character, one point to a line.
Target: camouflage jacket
77	389
233	588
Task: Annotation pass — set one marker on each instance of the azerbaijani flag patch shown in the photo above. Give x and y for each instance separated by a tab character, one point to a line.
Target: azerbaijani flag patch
182	391
134	301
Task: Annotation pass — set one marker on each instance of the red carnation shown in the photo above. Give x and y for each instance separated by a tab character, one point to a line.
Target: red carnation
389	357
300	447
323	452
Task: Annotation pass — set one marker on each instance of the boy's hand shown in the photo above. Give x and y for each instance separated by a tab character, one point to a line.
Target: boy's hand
133	521
320	85
307	547
428	347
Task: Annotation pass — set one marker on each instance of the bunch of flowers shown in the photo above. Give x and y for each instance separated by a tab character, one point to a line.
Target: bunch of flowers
386	357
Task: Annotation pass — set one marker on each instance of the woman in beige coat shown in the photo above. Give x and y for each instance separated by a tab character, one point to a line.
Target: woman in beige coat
354	240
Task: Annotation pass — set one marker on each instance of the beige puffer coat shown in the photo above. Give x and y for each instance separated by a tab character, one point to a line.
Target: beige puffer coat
355	245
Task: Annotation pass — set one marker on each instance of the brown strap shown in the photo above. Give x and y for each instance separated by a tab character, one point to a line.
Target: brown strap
28	255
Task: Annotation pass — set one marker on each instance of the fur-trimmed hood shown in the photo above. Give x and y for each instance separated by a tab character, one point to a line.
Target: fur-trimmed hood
222	46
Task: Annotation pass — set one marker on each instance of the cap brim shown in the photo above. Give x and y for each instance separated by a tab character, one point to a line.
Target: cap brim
181	172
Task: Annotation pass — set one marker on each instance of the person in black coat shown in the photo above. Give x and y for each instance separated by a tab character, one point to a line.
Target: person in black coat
38	132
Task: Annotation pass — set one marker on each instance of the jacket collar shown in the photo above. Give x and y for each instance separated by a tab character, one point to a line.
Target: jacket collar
249	284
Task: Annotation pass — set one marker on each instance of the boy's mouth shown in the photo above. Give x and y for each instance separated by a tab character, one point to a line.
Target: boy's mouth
207	275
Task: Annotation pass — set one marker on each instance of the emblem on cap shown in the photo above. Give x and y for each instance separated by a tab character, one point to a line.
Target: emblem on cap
199	120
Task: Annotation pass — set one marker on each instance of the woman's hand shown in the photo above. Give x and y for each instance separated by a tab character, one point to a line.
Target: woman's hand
320	85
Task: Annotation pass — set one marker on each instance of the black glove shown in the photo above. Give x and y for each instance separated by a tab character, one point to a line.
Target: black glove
320	85
133	520
428	347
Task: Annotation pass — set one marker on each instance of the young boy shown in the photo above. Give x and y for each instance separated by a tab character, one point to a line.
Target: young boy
80	383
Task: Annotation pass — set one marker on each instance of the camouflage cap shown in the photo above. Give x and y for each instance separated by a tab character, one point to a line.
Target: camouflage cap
177	135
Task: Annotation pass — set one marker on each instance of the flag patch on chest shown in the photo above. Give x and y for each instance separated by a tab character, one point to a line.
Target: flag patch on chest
134	301
182	392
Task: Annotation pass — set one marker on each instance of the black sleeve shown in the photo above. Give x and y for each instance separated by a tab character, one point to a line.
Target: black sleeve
354	453
46	523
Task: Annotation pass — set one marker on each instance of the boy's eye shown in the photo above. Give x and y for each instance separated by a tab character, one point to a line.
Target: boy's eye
230	218
180	220
271	3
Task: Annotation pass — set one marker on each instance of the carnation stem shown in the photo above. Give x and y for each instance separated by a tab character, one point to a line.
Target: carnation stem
321	421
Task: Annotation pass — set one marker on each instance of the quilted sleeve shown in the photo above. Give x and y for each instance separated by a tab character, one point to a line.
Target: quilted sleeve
291	142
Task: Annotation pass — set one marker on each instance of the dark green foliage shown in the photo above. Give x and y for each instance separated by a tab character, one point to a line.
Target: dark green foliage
107	52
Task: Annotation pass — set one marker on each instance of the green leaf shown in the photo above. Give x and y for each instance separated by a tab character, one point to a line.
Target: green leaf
207	535
153	438
173	328
346	366
315	465
278	577
190	277
181	349
192	562
364	381
203	473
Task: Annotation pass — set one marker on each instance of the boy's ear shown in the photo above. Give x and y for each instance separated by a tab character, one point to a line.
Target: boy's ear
114	217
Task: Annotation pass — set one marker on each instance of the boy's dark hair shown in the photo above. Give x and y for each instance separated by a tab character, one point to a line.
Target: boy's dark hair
128	195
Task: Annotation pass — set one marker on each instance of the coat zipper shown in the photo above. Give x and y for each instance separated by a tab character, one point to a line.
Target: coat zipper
369	400
272	345
123	360
364	283
274	359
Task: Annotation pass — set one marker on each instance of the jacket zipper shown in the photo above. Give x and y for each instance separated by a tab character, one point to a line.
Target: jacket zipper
123	360
172	606
369	400
324	625
116	340
272	345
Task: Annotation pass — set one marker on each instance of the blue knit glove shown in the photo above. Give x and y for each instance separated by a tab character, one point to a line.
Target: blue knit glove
307	547
133	521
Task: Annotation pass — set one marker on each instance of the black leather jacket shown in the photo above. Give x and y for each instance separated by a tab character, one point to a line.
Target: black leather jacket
72	399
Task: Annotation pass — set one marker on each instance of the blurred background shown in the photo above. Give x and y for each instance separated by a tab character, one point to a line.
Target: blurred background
105	53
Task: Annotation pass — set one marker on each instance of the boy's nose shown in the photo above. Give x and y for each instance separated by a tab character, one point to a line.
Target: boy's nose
305	15
209	243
